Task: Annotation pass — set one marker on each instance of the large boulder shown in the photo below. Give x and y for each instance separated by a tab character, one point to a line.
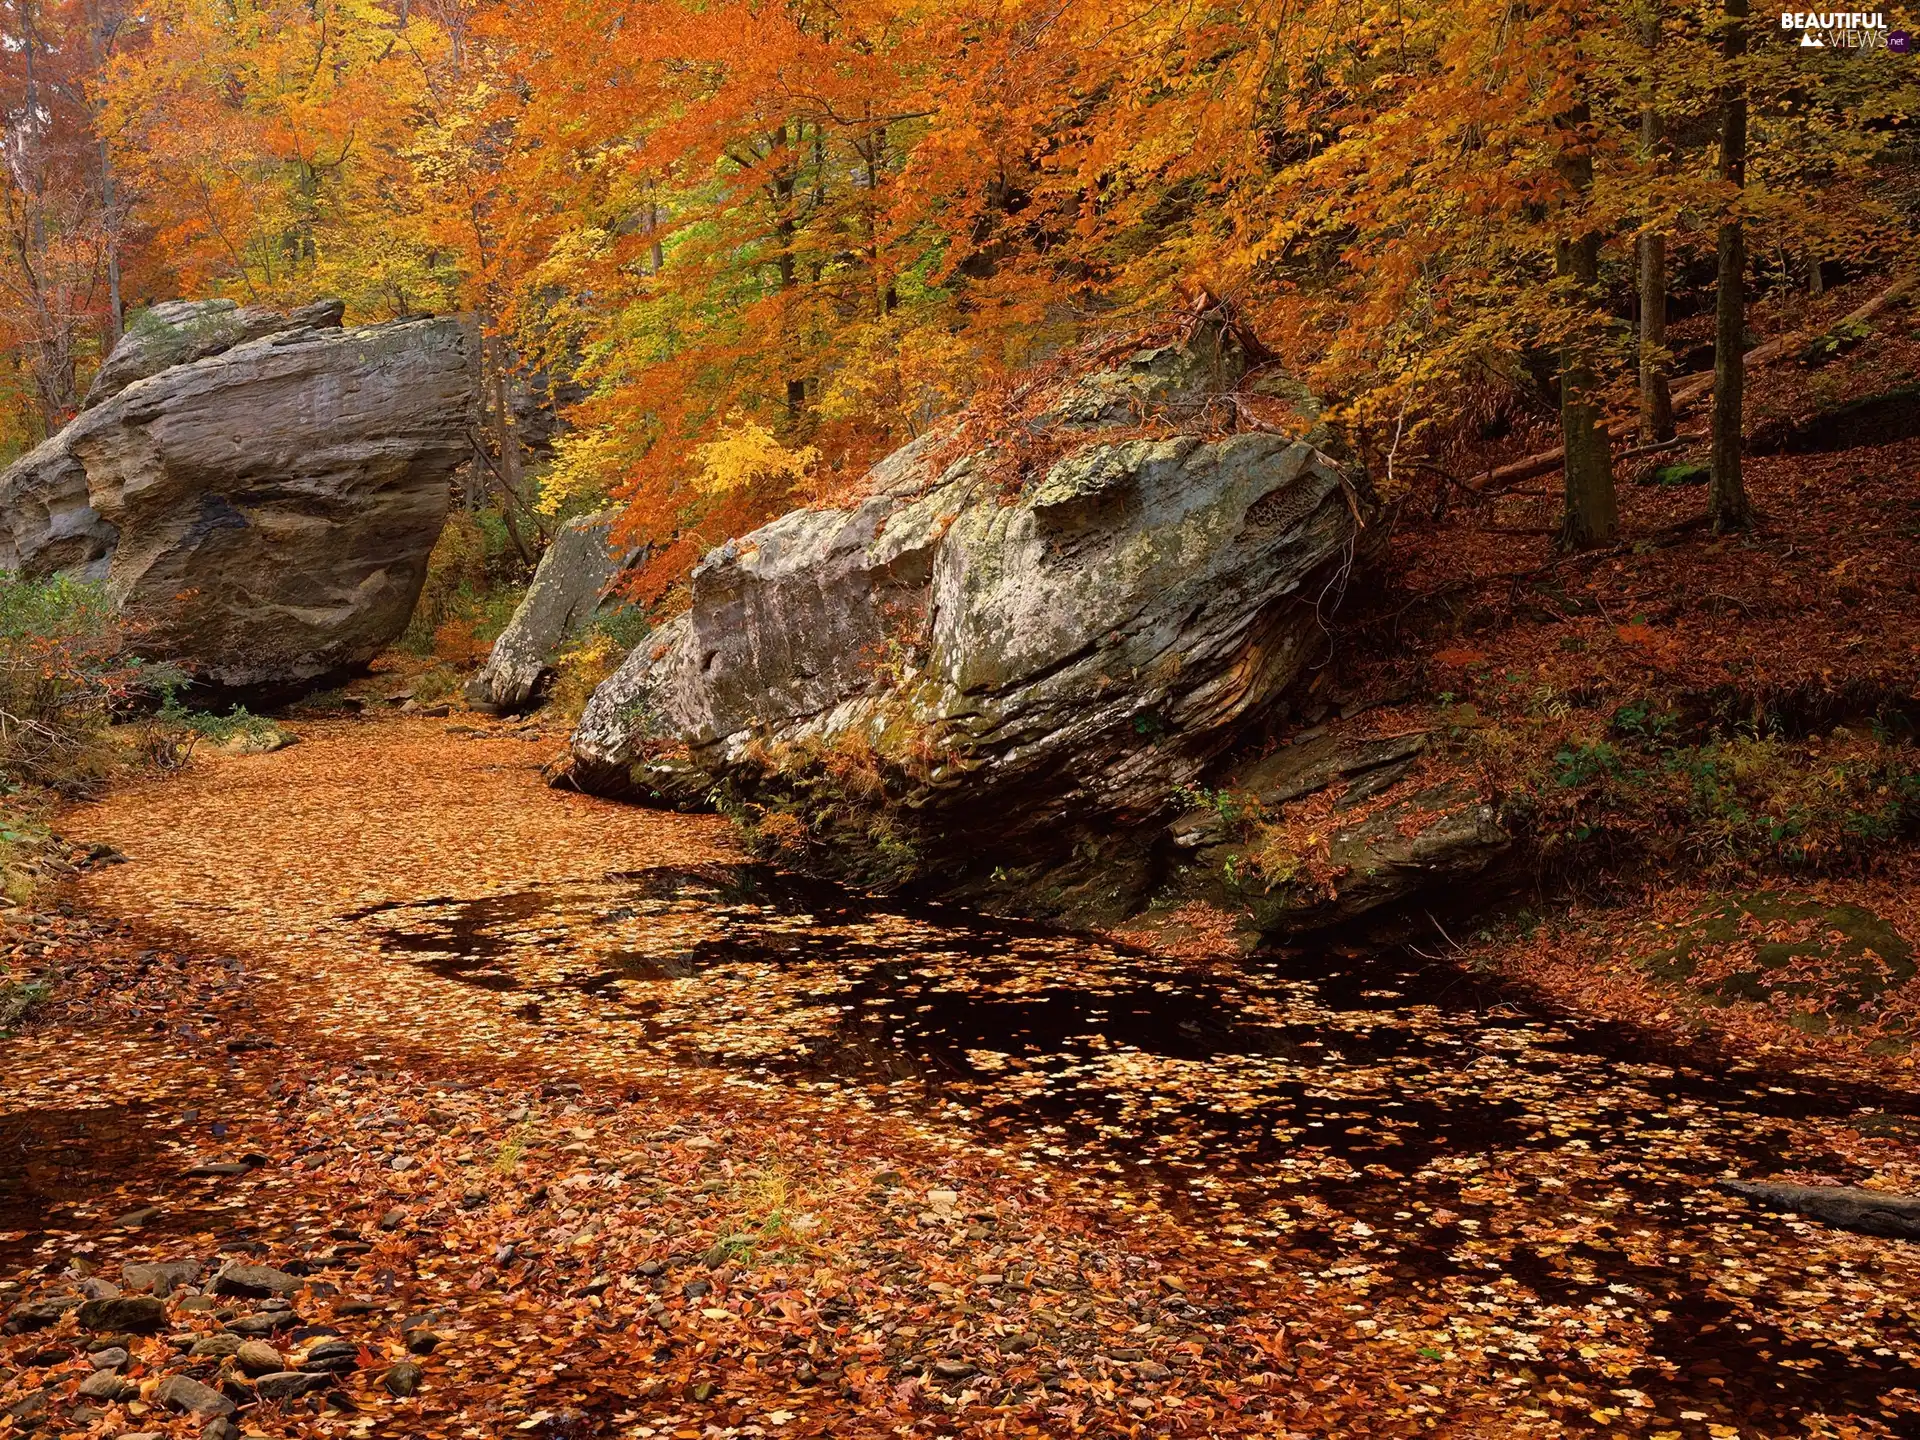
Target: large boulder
178	332
259	492
569	587
971	667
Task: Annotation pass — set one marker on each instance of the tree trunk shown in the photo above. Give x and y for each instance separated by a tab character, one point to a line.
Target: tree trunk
1656	399
506	443
1727	502
1592	516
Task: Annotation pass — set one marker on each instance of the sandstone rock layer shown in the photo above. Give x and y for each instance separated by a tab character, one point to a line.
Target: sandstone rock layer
262	509
965	669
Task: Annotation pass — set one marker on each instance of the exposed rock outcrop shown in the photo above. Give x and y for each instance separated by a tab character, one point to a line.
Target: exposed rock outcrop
1870	1212
969	668
1386	841
178	332
568	589
262	507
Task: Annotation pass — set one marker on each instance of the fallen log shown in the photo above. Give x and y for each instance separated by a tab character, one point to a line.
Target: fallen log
1687	389
1869	1212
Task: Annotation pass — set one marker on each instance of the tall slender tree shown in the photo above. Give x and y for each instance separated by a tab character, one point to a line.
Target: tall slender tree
1591	515
1656	399
1727	501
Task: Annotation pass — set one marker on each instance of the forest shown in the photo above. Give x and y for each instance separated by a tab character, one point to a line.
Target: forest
1012	717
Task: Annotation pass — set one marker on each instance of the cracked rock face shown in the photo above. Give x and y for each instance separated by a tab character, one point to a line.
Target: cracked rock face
568	590
258	491
1003	672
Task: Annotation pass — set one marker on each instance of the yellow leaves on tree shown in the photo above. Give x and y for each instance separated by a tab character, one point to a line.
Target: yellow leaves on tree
746	453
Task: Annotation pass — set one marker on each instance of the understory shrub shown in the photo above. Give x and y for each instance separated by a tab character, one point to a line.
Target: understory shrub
63	674
475	579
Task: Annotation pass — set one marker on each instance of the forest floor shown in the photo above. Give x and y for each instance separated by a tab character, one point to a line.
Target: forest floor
558	1118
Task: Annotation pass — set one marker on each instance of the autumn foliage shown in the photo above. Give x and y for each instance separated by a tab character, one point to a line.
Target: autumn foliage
772	242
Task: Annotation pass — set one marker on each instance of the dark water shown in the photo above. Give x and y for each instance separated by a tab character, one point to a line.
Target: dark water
1399	1129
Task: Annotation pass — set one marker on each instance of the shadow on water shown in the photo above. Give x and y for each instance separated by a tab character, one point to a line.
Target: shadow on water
1387	1116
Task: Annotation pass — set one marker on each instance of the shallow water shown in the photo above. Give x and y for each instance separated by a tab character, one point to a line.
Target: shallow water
1397	1128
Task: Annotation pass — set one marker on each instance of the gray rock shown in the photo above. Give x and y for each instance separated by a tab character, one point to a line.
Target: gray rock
162	1277
221	1429
952	675
134	1314
403	1378
178	332
263	1323
1302	769
190	1397
239	1278
256	1357
290	1384
1870	1212
219	1346
111	1358
39	1314
568	589
266	510
333	1357
108	1385
1435	840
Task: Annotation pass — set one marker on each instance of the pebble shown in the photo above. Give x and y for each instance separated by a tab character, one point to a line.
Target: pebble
221	1429
393	1219
256	1357
178	1392
422	1342
237	1278
404	1378
138	1314
289	1384
218	1346
112	1358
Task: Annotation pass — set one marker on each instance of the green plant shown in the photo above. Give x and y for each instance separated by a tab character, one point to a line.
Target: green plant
1582	762
18	1000
209	726
1837	341
63	675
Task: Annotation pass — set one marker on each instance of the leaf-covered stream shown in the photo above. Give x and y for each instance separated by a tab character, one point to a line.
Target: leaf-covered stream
1395	1123
583	1052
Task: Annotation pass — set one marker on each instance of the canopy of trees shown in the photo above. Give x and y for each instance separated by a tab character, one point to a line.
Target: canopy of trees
770	241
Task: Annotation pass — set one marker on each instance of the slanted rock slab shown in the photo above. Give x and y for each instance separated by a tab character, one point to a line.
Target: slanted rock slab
568	589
